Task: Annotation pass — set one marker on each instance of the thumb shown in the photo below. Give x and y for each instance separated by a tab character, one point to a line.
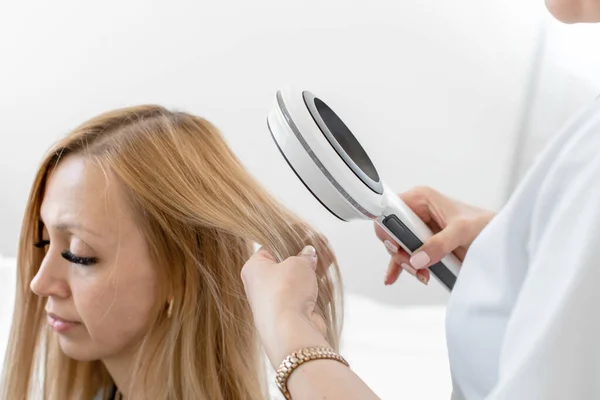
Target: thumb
310	255
436	247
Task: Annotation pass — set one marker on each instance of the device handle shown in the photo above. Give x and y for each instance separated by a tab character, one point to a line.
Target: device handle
410	232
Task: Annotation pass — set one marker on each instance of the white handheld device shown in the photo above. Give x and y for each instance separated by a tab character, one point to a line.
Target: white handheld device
335	168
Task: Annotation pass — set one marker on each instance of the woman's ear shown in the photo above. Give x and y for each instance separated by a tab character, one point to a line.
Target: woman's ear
170	308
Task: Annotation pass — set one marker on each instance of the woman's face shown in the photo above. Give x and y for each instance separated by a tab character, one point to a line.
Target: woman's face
572	11
97	275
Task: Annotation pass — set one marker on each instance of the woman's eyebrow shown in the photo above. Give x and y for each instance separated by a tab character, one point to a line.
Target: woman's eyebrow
72	227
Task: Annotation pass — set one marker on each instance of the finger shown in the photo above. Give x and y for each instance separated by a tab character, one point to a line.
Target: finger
422	274
264	254
440	245
381	234
391	245
261	257
401	261
460	253
308	257
420	200
393	272
389	242
398	253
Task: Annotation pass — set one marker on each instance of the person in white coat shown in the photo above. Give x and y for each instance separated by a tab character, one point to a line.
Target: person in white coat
522	320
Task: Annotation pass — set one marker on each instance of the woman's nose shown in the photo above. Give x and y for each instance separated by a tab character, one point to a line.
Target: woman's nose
50	280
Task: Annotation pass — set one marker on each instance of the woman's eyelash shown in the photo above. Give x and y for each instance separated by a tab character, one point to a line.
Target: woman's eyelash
67	255
41	244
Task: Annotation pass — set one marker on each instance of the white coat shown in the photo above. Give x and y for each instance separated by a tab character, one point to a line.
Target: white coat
523	321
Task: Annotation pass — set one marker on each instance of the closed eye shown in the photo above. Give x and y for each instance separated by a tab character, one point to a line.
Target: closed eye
86	261
67	255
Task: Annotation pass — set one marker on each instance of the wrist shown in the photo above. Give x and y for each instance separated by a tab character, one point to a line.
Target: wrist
291	333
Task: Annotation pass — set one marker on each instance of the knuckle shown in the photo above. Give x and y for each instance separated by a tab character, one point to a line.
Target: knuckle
419	194
400	259
440	245
424	191
437	246
462	225
462	230
296	265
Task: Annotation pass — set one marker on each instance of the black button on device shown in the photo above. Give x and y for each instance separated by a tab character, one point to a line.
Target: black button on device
412	242
400	230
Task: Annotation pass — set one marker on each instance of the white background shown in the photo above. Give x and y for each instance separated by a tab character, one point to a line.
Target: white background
439	92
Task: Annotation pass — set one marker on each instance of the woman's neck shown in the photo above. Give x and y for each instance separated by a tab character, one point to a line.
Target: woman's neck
121	368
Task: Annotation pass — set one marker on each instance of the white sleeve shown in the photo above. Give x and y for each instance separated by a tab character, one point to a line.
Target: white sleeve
551	348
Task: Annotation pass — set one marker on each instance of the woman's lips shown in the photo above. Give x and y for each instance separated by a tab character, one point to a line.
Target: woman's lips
61	325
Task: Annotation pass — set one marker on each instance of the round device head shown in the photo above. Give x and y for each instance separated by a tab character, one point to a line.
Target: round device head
325	155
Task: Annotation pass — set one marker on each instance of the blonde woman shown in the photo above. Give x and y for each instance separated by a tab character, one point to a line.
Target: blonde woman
134	236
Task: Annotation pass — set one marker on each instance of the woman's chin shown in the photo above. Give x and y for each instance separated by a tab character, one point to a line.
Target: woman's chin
574	11
78	351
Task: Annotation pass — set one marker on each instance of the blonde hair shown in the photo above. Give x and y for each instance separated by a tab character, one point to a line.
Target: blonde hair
201	212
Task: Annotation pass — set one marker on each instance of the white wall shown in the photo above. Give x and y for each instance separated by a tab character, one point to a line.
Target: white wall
433	90
566	79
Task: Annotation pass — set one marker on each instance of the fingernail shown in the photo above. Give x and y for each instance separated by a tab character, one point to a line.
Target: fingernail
422	279
415	273
408	268
309	251
391	246
420	260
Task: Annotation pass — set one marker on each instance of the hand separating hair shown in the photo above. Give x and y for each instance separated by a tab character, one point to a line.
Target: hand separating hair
282	297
